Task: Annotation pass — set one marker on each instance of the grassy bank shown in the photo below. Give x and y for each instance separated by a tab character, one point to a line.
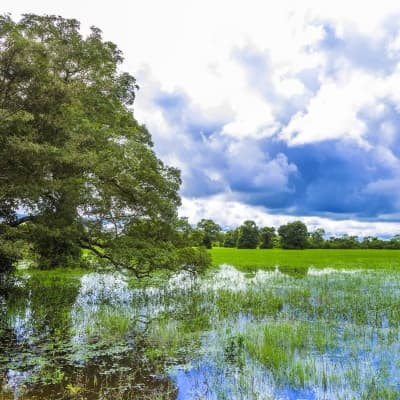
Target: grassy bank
318	258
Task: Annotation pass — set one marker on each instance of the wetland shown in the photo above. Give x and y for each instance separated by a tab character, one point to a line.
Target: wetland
271	333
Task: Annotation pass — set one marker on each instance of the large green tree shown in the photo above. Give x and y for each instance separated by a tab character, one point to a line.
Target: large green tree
248	235
293	235
231	238
210	230
316	238
267	237
76	169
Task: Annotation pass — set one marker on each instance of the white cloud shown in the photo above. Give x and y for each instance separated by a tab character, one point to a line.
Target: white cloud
383	186
251	167
285	86
229	213
387	133
187	45
275	174
333	112
253	119
386	158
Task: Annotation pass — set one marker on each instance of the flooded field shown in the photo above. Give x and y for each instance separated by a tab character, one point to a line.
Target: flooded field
293	333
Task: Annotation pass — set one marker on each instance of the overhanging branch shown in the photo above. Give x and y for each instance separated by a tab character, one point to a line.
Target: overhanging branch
22	220
118	264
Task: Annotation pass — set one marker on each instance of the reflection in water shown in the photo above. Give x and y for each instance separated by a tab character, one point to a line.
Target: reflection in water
277	334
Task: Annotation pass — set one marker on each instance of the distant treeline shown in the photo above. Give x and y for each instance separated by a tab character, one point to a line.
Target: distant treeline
293	235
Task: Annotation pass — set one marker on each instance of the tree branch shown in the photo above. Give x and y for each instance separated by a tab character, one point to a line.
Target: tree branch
118	264
21	220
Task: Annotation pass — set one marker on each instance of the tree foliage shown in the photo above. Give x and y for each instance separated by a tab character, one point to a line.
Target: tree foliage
231	238
210	231
76	169
316	238
267	237
293	235
248	235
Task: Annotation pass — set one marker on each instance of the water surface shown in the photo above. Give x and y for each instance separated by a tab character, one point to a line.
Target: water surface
275	334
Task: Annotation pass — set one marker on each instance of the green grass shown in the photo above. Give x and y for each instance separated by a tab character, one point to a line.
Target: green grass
245	259
278	343
54	274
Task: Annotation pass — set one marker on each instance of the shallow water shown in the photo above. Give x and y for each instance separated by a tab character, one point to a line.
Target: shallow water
277	334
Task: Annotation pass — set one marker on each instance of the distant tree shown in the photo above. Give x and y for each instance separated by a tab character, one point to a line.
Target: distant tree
248	235
267	237
329	243
293	235
188	235
394	242
351	242
220	238
231	238
370	242
210	231
316	239
207	243
277	241
344	242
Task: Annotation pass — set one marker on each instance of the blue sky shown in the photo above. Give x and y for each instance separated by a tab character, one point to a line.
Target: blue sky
273	112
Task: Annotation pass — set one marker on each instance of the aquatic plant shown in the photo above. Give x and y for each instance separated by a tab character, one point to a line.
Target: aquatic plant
326	334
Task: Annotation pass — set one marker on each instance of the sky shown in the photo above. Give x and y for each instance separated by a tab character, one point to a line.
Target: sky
273	111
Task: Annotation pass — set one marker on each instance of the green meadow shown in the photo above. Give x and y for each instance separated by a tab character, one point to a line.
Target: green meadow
249	259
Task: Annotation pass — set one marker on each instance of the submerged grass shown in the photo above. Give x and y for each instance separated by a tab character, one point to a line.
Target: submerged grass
249	259
49	276
297	332
257	303
281	345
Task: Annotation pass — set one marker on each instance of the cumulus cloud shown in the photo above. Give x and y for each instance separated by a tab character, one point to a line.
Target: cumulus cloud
332	114
290	107
249	168
310	127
